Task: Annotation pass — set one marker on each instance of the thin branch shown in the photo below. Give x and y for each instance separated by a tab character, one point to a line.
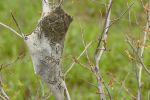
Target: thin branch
122	84
141	53
72	65
67	92
11	29
139	58
17	25
84	66
117	19
137	76
106	27
91	84
99	52
84	43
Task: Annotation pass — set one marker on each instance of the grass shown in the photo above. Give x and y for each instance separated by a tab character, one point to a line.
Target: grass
19	79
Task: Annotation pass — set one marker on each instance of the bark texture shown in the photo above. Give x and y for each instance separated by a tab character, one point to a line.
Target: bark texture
46	45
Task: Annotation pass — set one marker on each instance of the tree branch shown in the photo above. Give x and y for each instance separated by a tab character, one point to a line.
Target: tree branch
142	51
99	51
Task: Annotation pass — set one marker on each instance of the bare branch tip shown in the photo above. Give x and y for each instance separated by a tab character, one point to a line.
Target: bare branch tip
11	29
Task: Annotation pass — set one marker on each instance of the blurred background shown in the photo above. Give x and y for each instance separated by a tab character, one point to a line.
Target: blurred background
19	80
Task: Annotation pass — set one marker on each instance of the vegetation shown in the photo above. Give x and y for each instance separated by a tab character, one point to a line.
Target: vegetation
19	80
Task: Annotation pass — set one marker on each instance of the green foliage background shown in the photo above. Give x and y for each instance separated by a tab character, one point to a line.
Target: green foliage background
21	83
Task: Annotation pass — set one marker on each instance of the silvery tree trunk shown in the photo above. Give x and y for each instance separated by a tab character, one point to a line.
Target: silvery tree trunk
46	44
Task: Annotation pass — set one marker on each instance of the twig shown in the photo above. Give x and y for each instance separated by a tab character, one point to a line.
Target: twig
17	25
139	58
106	24
117	19
84	66
123	86
92	84
122	83
72	65
66	91
137	76
11	29
84	43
